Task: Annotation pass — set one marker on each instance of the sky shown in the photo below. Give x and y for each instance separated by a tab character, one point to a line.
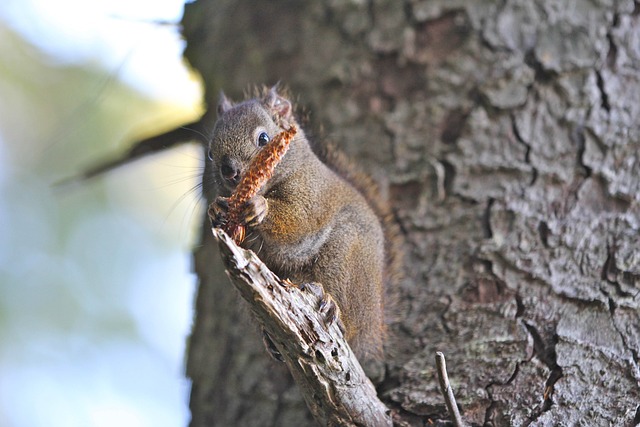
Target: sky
121	35
111	355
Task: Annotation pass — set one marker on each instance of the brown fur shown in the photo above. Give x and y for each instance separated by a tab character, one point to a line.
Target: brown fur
310	223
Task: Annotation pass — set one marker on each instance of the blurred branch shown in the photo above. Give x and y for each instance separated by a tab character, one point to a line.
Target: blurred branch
145	147
329	376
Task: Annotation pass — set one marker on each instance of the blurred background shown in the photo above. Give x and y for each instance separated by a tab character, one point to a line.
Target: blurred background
96	289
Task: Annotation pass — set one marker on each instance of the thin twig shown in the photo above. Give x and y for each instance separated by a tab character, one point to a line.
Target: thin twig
446	390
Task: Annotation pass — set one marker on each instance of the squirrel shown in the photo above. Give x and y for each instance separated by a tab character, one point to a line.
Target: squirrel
309	223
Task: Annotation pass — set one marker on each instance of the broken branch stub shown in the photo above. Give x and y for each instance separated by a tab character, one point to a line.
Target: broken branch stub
334	385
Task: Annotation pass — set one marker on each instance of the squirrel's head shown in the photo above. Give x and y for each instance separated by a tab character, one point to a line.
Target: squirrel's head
241	131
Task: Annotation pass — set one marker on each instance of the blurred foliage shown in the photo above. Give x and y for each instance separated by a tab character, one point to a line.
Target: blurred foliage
95	290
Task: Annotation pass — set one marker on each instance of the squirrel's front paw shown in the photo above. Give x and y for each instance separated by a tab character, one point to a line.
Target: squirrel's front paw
326	304
218	210
254	211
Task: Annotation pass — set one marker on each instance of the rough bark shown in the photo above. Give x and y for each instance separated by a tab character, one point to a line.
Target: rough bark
506	134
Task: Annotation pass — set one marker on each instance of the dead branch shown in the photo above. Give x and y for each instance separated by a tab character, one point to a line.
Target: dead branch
447	392
329	376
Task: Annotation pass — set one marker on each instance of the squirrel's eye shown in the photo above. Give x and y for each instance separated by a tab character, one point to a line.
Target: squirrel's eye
263	138
210	155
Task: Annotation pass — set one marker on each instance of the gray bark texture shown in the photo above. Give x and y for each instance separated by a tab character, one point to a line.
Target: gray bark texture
506	135
326	371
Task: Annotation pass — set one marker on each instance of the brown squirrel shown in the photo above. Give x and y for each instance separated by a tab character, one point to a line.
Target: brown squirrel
308	223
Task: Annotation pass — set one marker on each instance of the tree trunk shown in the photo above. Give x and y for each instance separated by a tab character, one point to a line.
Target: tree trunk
509	139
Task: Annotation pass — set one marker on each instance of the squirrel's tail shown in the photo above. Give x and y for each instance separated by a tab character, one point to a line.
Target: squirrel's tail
333	157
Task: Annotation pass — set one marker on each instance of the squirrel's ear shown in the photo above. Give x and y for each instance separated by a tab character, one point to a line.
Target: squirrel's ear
223	103
277	104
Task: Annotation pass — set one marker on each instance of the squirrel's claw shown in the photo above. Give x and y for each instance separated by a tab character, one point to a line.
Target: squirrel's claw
255	211
331	312
218	211
326	304
313	288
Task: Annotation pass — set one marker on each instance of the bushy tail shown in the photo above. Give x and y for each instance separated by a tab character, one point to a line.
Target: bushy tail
394	271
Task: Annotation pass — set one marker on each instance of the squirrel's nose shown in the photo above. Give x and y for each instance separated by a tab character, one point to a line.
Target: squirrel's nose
229	170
